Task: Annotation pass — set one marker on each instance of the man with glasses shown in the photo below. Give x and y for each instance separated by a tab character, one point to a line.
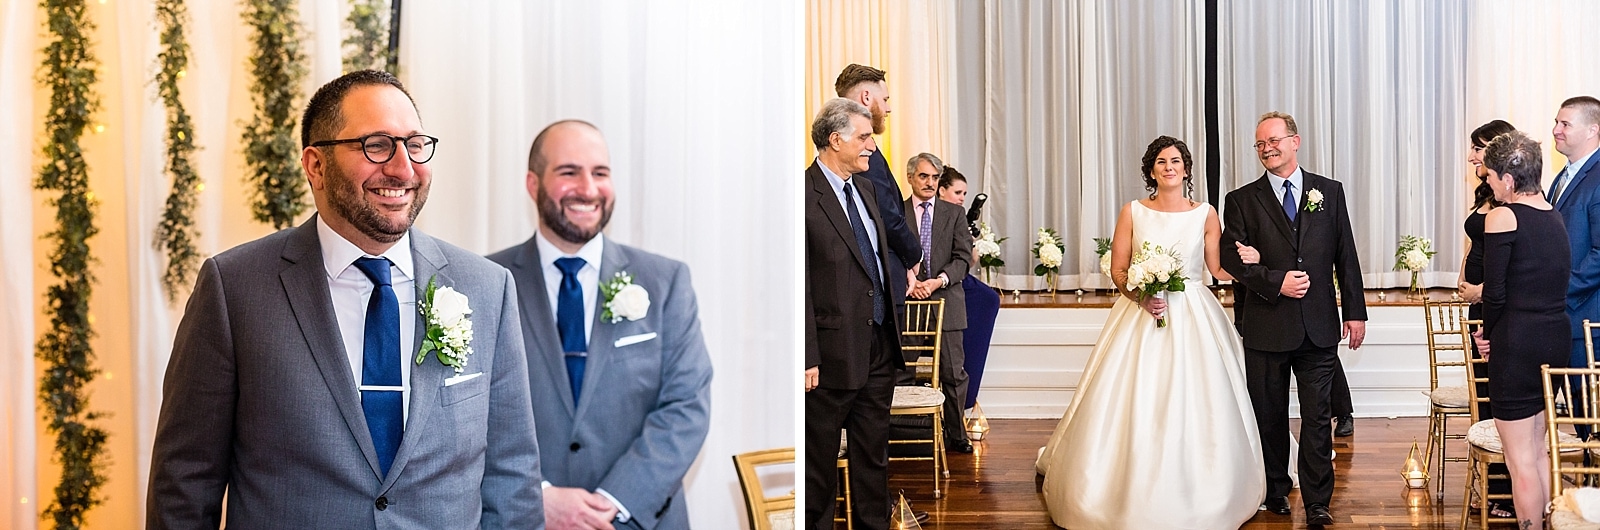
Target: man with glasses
621	374
300	382
1286	311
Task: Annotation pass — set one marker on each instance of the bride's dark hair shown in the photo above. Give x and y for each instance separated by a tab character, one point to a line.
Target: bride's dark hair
1149	162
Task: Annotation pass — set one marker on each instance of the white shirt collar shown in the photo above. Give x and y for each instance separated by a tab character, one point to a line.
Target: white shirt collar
1297	177
339	253
1576	164
590	252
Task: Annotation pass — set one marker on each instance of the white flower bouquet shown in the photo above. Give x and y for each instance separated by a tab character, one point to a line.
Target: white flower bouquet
1156	270
1413	254
1048	249
1102	248
988	247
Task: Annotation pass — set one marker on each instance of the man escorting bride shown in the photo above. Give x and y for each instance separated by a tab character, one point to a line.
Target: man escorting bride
1160	433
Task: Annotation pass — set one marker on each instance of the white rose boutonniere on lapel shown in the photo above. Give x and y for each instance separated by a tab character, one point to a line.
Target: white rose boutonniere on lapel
624	299
1313	200
445	312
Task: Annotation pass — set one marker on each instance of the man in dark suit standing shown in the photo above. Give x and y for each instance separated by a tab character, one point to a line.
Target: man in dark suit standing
947	255
1577	135
1286	311
852	343
866	85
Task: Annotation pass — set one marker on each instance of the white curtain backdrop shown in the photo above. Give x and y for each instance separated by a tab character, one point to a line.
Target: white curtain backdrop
1072	94
693	97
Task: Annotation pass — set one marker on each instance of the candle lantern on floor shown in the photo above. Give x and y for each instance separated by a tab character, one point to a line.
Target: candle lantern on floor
977	424
903	518
1415	476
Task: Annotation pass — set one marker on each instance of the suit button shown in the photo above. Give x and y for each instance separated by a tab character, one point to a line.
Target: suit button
1299	260
575	447
870	293
382	503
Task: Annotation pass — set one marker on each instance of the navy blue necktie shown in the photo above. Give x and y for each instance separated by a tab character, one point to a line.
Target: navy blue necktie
569	321
864	244
1288	200
381	391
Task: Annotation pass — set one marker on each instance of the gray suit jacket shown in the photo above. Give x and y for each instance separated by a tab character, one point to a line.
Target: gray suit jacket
951	255
645	408
260	401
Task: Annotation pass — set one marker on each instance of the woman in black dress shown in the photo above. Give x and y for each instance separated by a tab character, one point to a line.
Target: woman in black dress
1470	284
1524	314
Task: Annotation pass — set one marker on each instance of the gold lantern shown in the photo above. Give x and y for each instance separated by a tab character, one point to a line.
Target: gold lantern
1413	473
977	424
903	518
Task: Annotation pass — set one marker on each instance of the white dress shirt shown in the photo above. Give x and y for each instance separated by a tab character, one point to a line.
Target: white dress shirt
861	209
1573	165
1298	178
350	290
589	282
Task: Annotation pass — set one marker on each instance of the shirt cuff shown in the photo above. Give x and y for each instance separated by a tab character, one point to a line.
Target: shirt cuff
622	511
544	484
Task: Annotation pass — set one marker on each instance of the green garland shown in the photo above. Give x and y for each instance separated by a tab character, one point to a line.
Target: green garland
272	149
69	71
367	47
177	234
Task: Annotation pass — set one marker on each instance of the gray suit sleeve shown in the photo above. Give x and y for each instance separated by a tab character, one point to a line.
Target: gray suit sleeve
652	470
512	497
189	464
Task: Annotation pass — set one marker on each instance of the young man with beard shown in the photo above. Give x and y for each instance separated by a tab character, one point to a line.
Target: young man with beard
295	385
620	373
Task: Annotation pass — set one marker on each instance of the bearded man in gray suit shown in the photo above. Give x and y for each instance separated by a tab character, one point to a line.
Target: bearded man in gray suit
620	374
289	388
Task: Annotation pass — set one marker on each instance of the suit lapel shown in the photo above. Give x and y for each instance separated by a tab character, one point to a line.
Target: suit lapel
603	334
426	378
1583	173
306	285
823	194
1274	206
1310	182
541	318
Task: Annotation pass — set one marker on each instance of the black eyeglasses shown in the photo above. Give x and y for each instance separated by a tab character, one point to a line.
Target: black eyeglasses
379	148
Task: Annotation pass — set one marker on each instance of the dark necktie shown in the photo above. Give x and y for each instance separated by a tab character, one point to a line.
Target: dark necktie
569	321
1555	189
1288	200
864	244
381	391
926	229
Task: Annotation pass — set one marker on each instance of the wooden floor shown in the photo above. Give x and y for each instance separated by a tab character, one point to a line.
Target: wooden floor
996	487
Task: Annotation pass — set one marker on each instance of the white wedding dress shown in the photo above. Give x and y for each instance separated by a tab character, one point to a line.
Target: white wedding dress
1160	433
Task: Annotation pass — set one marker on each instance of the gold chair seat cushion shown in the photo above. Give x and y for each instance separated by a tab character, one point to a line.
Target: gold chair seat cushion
1450	396
1565	513
1484	436
781	520
911	397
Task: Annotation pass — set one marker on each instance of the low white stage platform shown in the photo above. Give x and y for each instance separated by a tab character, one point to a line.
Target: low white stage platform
1040	347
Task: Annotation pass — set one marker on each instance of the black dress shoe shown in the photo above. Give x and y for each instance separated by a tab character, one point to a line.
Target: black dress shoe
1346	427
1277	505
1317	514
958	446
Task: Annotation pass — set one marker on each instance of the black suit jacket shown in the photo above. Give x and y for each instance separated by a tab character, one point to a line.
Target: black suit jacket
1319	242
905	249
951	255
839	330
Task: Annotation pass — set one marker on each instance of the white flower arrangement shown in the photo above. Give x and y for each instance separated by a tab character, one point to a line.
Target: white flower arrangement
445	312
1156	270
1102	247
1413	254
1313	200
1048	249
624	299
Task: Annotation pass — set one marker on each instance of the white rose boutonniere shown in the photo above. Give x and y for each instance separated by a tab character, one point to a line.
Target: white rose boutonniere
624	299
445	312
1313	200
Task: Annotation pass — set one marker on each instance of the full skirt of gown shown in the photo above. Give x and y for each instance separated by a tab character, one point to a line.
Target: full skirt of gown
1160	433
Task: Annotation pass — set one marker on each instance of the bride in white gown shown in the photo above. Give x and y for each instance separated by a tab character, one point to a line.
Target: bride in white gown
1160	433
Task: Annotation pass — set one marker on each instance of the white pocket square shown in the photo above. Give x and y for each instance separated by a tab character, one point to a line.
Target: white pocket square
461	379
633	339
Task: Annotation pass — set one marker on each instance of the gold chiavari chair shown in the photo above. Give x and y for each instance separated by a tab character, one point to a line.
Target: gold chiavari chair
766	513
1483	445
924	327
1445	350
843	498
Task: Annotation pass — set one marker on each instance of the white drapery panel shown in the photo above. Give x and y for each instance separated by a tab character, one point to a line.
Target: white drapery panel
1379	94
1072	94
666	81
915	44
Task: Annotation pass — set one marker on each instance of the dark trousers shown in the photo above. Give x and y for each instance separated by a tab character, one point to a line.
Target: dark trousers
1342	404
864	413
1267	376
953	383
